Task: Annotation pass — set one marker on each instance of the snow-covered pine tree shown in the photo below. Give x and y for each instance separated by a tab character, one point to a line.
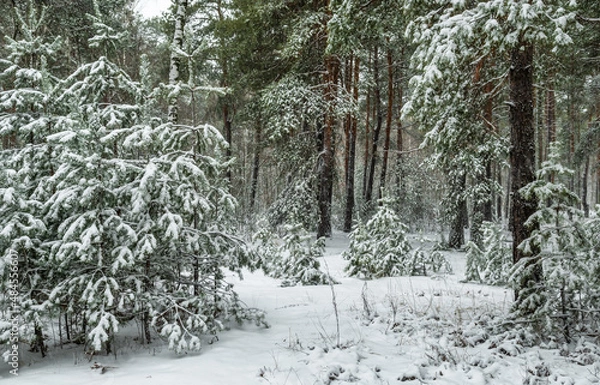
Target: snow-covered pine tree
491	262
182	211
299	253
182	214
570	250
91	251
26	117
293	258
379	248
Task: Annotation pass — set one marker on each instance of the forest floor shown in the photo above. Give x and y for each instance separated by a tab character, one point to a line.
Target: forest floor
406	330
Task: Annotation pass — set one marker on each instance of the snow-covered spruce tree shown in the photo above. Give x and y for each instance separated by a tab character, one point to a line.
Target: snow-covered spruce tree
569	258
26	117
299	253
379	248
293	258
491	262
181	212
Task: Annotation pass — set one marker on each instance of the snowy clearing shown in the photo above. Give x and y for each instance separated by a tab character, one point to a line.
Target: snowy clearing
408	330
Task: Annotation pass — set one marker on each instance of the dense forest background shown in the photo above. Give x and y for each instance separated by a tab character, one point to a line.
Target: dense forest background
137	155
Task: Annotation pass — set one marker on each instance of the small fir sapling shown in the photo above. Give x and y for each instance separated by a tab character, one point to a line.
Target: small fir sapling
293	258
490	263
299	264
379	248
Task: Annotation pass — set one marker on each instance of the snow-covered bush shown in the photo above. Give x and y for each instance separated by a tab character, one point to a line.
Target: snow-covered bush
294	258
492	262
379	248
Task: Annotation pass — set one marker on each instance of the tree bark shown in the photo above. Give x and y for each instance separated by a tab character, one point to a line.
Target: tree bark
376	130
351	152
456	238
326	156
255	165
399	138
522	163
225	99
388	123
367	142
175	62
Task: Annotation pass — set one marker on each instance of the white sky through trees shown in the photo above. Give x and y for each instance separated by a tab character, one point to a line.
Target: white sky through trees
151	8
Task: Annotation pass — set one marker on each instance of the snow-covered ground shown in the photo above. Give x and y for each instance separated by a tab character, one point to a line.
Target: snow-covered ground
408	330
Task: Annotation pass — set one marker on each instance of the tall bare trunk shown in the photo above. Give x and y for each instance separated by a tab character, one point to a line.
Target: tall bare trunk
399	138
226	99
351	152
326	156
388	123
522	163
456	238
550	110
255	165
367	140
376	130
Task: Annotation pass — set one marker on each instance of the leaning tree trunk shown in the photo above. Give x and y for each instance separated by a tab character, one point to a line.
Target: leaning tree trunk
175	64
522	165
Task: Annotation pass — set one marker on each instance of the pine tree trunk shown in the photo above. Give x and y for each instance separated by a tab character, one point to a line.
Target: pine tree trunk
584	193
255	165
456	238
367	142
522	163
175	63
399	138
326	156
550	112
377	129
228	138
225	99
388	124
351	151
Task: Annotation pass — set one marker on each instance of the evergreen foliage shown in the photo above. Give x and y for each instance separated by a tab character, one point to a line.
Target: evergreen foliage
379	248
490	263
570	248
28	114
112	214
293	258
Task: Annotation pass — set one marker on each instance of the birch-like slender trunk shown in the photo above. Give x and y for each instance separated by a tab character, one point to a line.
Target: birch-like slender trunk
175	63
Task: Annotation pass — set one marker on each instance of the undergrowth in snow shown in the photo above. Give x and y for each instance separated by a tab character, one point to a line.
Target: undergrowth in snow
400	330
